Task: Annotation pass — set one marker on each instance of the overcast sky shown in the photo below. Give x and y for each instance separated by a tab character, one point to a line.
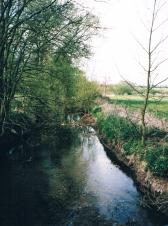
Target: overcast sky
116	53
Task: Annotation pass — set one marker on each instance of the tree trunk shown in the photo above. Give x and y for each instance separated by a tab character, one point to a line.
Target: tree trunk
143	112
2	118
4	114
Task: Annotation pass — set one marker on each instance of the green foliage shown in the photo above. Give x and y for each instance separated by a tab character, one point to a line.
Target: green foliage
157	159
122	89
133	146
117	128
158	107
85	94
123	131
49	96
96	109
41	46
154	133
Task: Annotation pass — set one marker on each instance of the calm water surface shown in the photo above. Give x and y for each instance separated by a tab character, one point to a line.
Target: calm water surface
72	182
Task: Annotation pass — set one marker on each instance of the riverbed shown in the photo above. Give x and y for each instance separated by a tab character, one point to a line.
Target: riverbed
68	182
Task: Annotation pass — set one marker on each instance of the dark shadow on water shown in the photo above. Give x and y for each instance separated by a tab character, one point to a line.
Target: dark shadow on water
54	183
24	199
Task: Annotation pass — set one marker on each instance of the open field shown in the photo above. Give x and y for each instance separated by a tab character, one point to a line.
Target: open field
156	106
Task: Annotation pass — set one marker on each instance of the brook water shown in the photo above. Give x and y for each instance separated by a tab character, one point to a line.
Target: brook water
67	180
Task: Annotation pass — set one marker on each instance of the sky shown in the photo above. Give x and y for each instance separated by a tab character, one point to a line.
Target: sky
116	52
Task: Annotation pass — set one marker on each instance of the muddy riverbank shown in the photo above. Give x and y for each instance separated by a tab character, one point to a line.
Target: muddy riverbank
154	189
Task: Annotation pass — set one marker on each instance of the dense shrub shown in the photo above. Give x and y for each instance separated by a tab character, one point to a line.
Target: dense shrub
117	128
134	146
155	133
157	159
123	131
122	89
96	109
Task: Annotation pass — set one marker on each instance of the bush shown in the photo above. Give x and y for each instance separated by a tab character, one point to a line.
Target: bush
155	133
117	128
157	160
121	130
96	110
133	146
122	89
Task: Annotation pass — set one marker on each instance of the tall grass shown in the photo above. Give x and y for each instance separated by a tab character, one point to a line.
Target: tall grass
122	131
117	128
158	108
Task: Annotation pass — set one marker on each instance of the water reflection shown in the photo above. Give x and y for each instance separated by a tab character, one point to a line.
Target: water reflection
65	185
113	189
87	177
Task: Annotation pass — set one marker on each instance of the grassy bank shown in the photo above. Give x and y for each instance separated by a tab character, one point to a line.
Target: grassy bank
156	106
118	130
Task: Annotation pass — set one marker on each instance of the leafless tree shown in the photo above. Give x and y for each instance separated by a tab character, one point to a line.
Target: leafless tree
154	62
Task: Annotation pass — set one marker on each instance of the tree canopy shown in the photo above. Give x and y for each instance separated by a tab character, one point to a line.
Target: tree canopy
41	43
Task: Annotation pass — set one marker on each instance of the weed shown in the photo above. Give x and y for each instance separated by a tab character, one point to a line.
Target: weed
123	131
157	159
117	128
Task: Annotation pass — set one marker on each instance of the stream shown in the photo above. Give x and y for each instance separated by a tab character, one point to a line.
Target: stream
68	181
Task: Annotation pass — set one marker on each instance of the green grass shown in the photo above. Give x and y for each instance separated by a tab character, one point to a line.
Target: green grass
122	131
158	108
117	128
157	159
